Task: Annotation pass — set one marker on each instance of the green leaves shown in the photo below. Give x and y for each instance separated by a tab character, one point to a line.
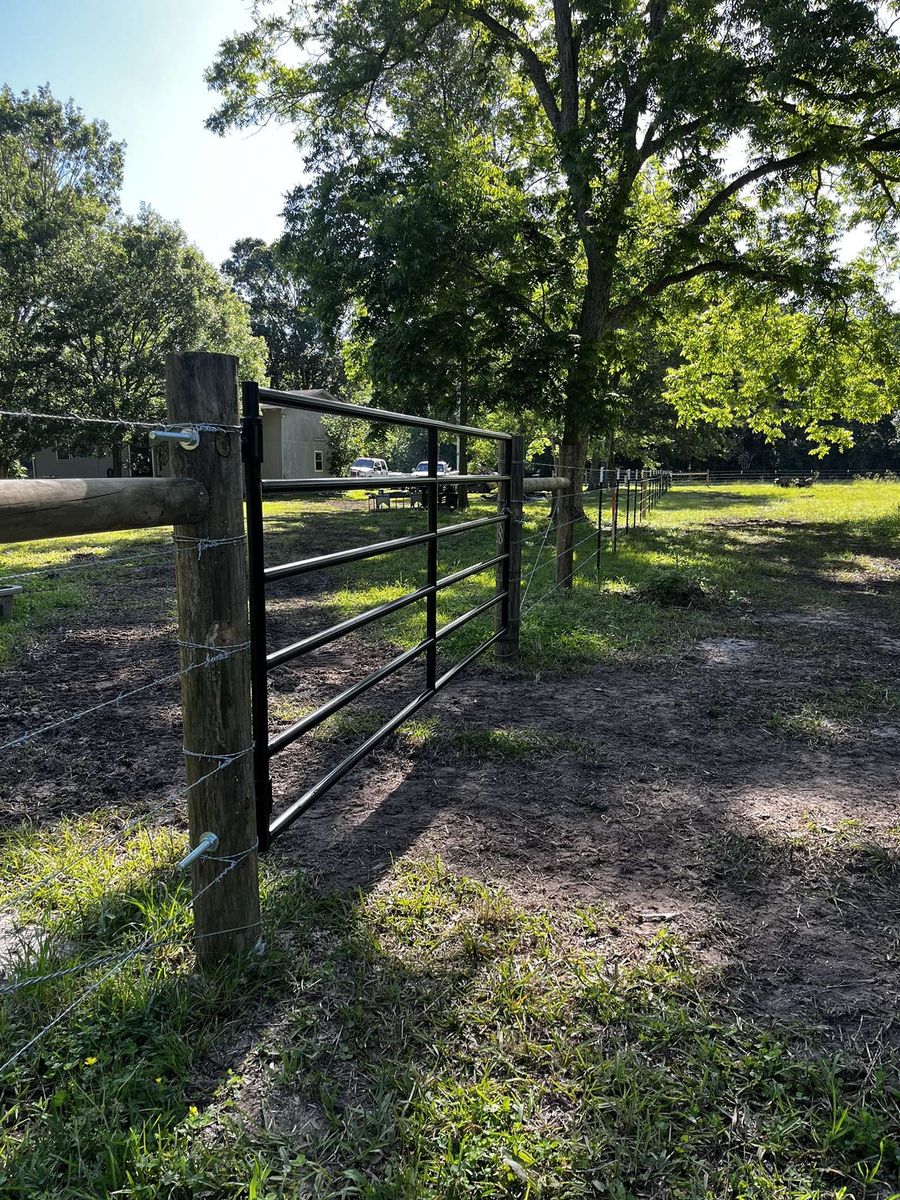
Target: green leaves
504	193
58	174
767	365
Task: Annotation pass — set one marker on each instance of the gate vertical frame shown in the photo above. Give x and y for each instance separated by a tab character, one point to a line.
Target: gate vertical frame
511	504
252	452
432	556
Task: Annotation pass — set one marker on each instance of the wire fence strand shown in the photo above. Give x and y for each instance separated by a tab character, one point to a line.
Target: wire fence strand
107	841
148	944
117	422
220	653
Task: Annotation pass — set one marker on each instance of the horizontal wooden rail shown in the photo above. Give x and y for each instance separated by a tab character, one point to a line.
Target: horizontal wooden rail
550	483
48	508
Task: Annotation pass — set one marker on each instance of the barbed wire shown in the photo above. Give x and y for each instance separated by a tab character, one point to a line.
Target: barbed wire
218	653
120	422
150	943
203	544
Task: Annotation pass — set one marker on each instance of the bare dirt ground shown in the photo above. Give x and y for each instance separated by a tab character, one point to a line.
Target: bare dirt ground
686	802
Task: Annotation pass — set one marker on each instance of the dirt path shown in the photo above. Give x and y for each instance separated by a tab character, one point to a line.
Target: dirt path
697	795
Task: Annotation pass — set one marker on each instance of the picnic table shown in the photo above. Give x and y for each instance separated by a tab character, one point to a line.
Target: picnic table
395	499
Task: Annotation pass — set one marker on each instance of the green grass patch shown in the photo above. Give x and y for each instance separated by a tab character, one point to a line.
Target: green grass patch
743	544
837	712
430	1040
515	743
67	574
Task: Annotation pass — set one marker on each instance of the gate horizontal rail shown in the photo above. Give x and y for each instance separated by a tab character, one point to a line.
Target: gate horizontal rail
263	660
340	483
338	557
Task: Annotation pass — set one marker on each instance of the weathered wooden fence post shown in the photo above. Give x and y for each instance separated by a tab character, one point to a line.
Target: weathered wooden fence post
211	583
509	541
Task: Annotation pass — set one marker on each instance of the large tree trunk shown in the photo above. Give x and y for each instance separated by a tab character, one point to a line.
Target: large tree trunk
581	408
462	455
572	453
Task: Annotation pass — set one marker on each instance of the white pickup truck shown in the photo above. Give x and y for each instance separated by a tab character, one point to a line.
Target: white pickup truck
368	468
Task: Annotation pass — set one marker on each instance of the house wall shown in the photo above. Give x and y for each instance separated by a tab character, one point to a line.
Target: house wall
290	441
272	449
48	465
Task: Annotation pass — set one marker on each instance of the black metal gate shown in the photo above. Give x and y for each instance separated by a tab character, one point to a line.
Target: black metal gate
263	660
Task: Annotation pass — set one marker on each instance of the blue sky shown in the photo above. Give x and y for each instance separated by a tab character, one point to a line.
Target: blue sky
138	64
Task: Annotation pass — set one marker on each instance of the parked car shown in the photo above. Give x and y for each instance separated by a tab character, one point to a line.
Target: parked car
442	469
368	468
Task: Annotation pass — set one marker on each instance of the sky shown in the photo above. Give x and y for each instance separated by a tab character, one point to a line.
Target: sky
138	65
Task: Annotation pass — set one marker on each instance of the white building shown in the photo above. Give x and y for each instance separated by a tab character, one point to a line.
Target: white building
57	463
295	445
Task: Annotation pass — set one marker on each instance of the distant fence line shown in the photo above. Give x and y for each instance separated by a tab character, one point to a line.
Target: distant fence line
771	476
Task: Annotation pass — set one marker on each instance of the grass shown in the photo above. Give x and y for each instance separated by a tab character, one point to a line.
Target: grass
838	712
788	556
494	743
796	545
430	1040
59	585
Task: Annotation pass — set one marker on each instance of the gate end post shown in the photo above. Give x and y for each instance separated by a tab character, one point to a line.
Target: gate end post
509	538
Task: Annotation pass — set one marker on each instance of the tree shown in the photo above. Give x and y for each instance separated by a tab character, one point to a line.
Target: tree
423	257
662	141
748	359
59	177
301	354
138	290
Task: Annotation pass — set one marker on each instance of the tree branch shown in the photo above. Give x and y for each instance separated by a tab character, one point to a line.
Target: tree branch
567	51
652	145
712	266
889	140
533	65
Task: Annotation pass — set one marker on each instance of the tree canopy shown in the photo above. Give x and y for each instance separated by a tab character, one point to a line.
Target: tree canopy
59	176
647	144
301	353
90	299
639	148
139	290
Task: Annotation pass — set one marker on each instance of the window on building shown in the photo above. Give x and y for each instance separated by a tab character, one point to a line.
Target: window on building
62	455
320	460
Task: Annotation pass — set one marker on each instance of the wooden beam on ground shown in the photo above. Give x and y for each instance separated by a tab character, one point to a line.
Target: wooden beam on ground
552	483
49	508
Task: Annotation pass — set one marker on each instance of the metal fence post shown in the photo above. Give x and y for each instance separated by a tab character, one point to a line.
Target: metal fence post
211	585
509	538
599	520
